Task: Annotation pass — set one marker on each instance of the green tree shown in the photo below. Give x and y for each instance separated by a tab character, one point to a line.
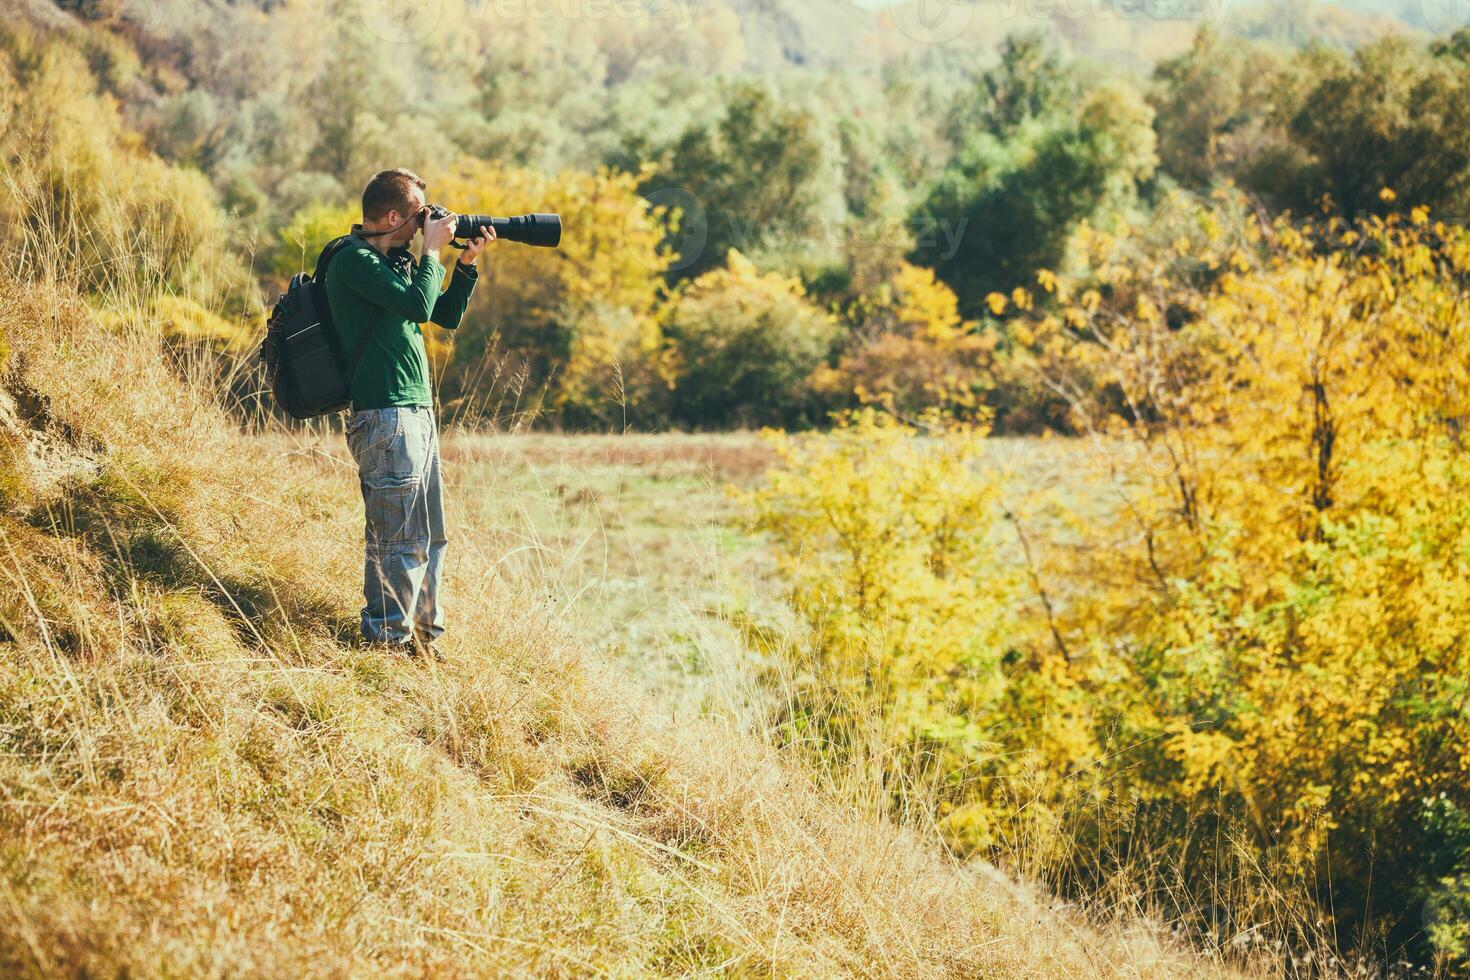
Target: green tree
742	346
766	177
1218	113
1031	81
1015	203
1395	115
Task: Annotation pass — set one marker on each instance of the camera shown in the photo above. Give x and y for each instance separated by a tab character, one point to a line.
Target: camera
540	230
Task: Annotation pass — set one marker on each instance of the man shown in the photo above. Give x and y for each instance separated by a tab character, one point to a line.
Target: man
374	284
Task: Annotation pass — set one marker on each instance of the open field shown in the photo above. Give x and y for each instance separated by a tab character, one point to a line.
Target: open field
640	544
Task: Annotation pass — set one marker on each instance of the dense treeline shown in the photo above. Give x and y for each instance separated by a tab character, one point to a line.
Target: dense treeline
824	238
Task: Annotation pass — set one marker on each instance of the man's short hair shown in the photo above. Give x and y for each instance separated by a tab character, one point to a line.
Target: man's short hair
391	190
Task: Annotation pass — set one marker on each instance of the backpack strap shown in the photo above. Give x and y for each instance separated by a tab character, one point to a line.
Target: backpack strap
319	276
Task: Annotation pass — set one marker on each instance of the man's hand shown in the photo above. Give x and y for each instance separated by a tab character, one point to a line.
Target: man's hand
476	246
440	232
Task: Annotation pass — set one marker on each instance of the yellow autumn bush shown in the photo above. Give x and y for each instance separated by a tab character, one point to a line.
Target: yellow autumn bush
1295	586
1246	668
887	540
572	329
911	349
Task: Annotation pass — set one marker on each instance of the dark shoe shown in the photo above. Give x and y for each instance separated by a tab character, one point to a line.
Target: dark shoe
427	649
400	648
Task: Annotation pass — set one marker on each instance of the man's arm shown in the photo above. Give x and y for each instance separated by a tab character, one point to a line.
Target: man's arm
449	310
376	281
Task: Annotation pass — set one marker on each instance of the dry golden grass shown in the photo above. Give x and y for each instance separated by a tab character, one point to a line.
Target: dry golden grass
201	775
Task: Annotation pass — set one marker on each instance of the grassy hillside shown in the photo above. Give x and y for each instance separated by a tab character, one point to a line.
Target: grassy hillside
202	776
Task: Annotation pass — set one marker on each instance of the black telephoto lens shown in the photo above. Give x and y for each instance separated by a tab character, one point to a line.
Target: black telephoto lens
540	230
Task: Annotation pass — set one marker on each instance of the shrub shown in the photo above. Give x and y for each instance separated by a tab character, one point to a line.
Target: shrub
307	233
1243	678
910	349
888	543
742	346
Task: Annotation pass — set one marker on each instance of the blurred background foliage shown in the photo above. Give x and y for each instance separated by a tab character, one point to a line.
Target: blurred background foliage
827	145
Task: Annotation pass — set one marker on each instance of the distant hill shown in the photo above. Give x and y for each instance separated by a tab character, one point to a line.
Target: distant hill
778	35
819	33
1110	30
841	33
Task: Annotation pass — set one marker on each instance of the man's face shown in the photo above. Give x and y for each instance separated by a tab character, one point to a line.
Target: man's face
405	234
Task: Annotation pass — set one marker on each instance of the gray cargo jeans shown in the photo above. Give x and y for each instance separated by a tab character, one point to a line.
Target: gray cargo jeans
397	453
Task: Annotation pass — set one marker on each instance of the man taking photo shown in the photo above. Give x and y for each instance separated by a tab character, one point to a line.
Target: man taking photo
374	284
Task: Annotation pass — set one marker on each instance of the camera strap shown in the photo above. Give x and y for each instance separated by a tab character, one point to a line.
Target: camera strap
360	232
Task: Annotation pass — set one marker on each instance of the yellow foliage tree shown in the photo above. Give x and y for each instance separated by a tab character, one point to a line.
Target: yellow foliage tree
575	326
911	349
887	542
1248	660
1285	579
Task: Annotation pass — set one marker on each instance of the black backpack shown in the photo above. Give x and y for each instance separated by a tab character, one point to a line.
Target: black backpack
305	365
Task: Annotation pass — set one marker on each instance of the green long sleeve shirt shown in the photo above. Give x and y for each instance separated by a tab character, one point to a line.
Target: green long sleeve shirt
392	295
